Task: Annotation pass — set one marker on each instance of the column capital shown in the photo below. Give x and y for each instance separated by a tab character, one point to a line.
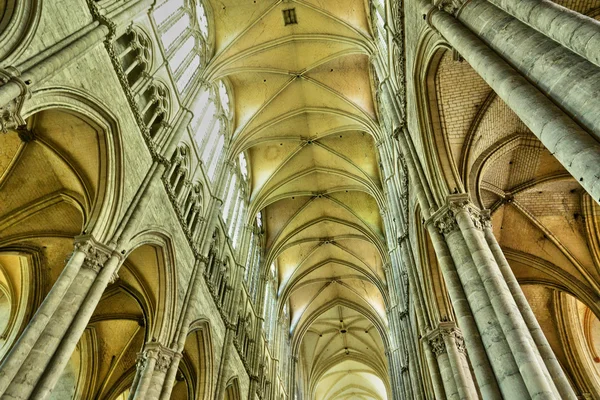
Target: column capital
437	345
96	253
154	350
444	219
10	113
450	6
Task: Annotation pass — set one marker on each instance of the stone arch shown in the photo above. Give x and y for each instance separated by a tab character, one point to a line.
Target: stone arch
135	309
18	24
232	389
20	274
155	104
196	367
51	192
436	156
101	218
566	323
159	282
135	52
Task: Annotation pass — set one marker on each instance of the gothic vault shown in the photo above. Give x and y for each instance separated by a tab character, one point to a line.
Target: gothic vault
299	199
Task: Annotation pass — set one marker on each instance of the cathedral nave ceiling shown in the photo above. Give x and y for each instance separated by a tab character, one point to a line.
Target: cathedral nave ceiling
304	113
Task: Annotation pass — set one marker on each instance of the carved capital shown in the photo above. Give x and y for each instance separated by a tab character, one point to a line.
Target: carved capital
163	362
445	222
154	350
455	333
437	345
450	6
10	113
96	254
485	218
462	203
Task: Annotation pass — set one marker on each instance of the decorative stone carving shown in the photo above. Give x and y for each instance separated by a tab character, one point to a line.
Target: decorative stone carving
96	254
163	356
10	113
485	218
142	359
450	6
446	223
460	343
403	236
437	345
163	362
457	335
461	202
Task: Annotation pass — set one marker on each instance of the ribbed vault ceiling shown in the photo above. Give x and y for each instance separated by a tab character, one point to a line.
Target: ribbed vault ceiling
305	116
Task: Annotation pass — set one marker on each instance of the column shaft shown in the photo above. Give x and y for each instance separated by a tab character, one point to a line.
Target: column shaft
73	334
536	377
574	148
556	371
19	352
569	28
564	76
498	351
478	348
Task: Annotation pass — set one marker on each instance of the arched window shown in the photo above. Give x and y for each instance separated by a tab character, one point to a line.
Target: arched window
378	19
202	20
243	165
184	42
229	197
218	150
224	97
209	124
270	306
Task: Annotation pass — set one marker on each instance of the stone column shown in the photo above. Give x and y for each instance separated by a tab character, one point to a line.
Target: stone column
434	371
567	78
152	366
448	345
495	310
101	279
455	346
255	362
36	326
185	319
230	327
572	146
556	371
48	348
573	30
438	347
482	368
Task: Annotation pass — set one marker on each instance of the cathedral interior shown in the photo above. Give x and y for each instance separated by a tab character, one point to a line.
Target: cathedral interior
299	199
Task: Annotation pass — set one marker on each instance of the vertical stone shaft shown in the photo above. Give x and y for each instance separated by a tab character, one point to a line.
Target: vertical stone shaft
574	148
556	371
464	382
447	375
67	346
15	358
481	364
498	351
535	375
434	372
478	344
569	28
567	78
145	377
